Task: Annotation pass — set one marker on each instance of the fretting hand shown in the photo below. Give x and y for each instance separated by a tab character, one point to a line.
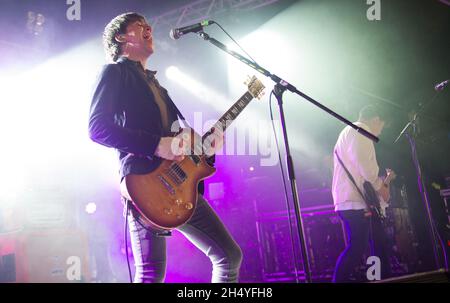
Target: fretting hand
384	191
216	139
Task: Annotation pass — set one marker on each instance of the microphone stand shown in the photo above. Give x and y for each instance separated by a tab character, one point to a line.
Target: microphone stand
421	184
280	87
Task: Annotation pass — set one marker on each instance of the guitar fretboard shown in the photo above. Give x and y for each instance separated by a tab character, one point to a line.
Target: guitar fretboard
231	114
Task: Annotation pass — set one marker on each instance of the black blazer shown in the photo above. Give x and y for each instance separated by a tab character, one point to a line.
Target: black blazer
124	115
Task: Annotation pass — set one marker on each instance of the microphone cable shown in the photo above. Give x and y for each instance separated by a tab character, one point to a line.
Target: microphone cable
126	238
254	61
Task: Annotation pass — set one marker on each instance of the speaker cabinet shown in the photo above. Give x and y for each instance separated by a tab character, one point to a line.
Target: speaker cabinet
324	238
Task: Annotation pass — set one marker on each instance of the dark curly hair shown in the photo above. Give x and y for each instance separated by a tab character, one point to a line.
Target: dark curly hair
117	26
371	111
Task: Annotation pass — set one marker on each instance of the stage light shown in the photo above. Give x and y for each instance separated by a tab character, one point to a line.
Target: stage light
91	208
45	110
35	23
172	72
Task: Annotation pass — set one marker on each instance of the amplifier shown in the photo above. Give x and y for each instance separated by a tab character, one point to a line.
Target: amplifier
324	238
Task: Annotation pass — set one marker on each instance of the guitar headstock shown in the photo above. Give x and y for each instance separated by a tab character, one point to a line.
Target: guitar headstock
255	87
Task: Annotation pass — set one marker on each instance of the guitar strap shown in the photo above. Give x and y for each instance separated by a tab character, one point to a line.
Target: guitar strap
352	179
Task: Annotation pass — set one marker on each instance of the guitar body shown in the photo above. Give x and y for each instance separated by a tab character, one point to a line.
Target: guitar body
372	197
373	200
167	196
161	198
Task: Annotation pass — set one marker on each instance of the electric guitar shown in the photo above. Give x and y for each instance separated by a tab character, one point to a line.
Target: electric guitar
167	196
373	197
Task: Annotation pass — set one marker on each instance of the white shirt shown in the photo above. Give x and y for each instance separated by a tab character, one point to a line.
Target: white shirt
358	154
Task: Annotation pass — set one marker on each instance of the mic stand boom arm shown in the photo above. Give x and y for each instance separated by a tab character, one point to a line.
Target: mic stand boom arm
280	87
287	86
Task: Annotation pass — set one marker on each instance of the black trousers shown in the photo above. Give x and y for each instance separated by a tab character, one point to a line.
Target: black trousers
361	231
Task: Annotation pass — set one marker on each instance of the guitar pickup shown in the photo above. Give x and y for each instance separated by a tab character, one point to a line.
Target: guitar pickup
177	172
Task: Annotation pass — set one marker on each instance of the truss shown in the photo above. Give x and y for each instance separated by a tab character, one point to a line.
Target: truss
201	10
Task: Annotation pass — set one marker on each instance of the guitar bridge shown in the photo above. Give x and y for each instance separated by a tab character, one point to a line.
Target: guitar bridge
166	185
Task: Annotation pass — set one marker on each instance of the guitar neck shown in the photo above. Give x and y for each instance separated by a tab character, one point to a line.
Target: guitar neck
388	180
231	114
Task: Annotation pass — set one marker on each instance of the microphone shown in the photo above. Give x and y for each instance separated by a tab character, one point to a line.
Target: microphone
176	33
440	86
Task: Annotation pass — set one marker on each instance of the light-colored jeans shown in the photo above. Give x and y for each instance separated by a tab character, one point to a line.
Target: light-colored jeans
205	230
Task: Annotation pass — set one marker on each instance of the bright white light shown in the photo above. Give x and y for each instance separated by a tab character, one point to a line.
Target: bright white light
90	208
172	72
269	49
276	53
44	121
213	98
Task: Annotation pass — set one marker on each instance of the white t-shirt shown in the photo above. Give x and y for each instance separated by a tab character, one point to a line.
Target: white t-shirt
358	154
